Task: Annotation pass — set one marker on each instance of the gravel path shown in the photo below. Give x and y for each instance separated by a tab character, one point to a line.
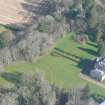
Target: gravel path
92	81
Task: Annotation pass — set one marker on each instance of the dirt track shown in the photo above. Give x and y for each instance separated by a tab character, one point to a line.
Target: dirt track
11	11
84	77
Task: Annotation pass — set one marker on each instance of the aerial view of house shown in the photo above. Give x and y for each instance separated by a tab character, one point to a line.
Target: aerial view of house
99	72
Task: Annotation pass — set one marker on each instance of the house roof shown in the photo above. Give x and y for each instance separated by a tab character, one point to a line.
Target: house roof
100	63
98	72
103	103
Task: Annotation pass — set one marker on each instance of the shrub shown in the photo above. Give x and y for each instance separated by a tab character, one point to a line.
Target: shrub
101	49
6	38
58	17
2	42
45	24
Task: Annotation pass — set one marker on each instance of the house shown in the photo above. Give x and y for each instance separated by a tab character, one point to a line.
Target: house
98	72
103	103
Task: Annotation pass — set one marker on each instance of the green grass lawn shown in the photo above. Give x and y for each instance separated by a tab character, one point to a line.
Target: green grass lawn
62	66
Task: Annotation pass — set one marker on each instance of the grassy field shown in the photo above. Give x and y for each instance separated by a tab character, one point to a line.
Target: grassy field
62	66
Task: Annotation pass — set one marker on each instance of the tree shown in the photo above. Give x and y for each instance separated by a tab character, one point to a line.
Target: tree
90	12
36	91
6	38
2	42
74	97
86	92
101	32
101	48
9	99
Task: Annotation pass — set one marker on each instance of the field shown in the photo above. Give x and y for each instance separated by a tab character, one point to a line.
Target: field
61	68
11	12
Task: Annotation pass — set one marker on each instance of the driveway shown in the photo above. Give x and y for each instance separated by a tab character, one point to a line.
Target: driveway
87	78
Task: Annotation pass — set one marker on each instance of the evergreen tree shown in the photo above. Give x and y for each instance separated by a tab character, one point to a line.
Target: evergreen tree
86	92
101	48
90	12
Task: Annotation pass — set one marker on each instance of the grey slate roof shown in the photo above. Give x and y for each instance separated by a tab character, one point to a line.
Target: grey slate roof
100	63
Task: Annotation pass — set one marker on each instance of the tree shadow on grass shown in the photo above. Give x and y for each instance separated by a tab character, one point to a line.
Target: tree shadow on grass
91	44
63	98
14	78
13	27
60	53
90	51
86	65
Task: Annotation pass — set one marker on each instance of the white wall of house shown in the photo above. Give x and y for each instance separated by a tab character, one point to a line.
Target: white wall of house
103	78
98	75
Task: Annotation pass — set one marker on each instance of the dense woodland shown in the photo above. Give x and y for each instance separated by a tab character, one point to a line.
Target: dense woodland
34	90
49	22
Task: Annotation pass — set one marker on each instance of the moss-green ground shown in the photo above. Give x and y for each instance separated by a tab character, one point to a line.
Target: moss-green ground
62	66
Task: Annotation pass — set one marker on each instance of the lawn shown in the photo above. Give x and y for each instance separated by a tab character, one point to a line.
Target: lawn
63	65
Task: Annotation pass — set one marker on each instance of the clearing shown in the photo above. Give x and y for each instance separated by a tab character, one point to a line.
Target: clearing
61	67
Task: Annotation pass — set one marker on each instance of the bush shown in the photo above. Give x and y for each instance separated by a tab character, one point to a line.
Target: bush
101	49
43	27
58	17
6	38
67	3
2	42
46	24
